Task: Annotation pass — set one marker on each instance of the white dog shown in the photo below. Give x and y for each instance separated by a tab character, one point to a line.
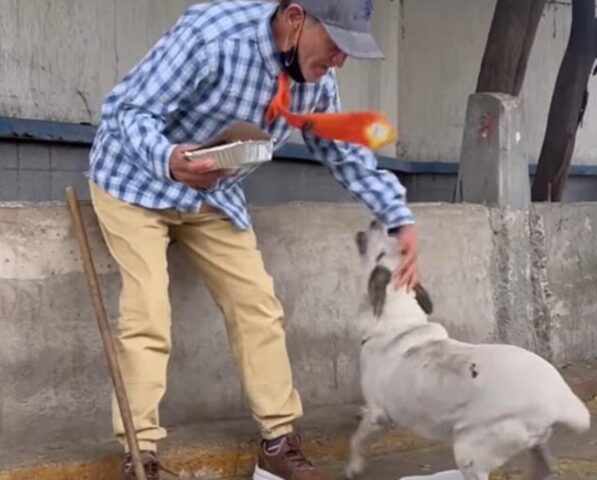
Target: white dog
490	402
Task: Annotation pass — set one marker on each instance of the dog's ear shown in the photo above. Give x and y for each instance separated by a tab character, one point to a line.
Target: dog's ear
423	299
361	241
378	283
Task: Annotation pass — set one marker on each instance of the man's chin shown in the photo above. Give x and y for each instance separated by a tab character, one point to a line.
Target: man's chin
315	74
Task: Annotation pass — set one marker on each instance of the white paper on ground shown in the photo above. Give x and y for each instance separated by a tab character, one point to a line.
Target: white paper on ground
448	475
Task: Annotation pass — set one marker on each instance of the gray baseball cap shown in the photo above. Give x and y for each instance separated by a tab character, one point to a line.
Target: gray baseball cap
348	23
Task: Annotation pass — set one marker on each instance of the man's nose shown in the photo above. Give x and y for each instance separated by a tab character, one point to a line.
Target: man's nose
339	59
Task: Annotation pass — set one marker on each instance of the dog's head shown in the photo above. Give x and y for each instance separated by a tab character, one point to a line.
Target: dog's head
381	257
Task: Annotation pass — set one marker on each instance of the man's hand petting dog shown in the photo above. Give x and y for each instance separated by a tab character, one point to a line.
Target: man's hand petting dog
408	246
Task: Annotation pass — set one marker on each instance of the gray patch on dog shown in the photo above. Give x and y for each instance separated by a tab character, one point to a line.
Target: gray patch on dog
378	283
423	299
361	241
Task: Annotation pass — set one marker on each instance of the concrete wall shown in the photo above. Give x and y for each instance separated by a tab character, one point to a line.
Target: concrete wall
40	172
494	276
58	59
523	278
441	47
428	83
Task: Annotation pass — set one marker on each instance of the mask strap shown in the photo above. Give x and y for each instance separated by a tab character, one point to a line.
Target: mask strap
288	61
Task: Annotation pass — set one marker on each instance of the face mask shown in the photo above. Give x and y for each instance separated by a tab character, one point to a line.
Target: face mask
290	63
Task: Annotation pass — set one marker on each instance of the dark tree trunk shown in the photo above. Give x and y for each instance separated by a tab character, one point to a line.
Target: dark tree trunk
509	44
567	106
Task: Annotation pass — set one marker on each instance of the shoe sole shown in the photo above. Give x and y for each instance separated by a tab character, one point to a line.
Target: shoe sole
260	474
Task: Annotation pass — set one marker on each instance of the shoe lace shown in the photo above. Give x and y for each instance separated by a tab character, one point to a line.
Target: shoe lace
295	455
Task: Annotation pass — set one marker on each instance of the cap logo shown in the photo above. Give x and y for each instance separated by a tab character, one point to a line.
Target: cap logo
367	9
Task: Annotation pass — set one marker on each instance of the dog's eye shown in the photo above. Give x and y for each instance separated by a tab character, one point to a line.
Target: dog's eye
375	224
380	256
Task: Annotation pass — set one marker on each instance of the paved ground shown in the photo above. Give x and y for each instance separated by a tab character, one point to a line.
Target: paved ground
577	460
226	450
577	456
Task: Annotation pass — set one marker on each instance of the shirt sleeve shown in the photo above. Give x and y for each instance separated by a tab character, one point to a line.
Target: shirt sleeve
174	70
355	167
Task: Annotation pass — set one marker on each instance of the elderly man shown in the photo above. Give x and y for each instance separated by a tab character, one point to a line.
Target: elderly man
219	64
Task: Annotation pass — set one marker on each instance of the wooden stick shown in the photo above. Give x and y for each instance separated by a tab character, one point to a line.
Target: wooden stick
104	326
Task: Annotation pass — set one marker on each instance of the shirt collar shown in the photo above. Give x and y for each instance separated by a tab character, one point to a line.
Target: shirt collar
265	41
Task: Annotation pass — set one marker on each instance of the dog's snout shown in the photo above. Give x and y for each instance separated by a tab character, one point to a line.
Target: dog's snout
361	241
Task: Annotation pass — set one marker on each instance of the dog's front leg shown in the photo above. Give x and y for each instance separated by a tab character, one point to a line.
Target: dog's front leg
368	426
543	463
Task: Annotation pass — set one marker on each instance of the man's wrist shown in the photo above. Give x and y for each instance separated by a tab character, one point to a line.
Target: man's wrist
394	230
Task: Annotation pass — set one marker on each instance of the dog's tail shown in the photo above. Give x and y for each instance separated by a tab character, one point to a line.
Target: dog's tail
574	415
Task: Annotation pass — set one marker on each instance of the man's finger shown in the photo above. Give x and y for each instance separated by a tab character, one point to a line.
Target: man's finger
406	274
407	262
408	259
222	172
413	280
201	166
407	278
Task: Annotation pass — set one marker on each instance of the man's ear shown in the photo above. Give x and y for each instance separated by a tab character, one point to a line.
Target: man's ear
423	299
295	15
378	283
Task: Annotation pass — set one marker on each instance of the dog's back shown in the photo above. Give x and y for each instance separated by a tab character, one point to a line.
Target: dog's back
442	386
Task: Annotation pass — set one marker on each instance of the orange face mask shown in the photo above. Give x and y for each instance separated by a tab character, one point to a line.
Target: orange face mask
369	128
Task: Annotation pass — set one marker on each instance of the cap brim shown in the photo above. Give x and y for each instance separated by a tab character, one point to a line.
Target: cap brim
355	44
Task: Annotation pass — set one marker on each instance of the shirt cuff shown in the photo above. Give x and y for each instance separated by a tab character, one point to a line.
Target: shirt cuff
161	158
166	162
393	230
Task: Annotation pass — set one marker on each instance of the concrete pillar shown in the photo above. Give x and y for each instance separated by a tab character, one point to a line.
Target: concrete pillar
493	165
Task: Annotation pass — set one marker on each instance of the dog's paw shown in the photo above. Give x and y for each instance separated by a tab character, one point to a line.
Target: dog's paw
362	411
355	467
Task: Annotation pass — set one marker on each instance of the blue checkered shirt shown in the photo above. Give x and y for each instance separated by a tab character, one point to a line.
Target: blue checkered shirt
215	66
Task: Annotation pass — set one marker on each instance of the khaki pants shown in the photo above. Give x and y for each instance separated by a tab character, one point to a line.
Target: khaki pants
234	272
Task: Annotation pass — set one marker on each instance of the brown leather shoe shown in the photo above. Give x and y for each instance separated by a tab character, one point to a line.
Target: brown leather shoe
151	465
286	462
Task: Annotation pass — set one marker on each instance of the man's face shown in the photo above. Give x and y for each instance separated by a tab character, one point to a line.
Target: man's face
317	52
